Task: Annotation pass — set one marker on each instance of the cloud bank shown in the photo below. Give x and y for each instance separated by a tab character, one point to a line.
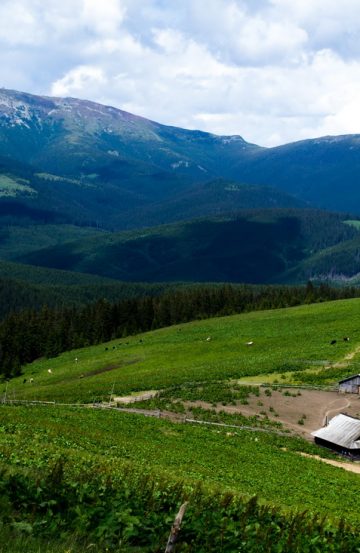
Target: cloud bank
273	71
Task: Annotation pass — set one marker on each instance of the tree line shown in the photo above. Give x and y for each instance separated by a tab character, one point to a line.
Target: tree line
30	334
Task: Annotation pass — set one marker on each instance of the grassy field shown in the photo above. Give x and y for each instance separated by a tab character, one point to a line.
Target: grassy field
76	480
246	463
294	341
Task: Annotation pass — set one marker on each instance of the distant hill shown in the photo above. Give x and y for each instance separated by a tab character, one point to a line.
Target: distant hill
216	197
255	246
339	263
324	171
30	287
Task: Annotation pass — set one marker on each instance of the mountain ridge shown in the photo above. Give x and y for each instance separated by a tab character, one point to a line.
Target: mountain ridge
105	166
98	163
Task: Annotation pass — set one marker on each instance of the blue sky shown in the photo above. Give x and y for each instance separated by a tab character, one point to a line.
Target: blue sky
273	71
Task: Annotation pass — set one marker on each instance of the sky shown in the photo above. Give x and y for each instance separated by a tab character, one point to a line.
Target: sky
272	71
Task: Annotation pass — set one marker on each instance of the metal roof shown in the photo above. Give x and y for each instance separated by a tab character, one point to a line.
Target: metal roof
342	430
349	378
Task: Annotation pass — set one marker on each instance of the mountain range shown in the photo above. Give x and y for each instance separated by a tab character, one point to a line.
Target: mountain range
74	175
78	161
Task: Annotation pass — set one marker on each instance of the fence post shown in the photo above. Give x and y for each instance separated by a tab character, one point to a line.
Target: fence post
175	529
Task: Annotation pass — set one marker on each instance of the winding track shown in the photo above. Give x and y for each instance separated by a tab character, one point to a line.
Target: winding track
345	403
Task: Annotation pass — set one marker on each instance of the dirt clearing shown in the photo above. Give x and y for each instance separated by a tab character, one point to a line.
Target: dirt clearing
299	410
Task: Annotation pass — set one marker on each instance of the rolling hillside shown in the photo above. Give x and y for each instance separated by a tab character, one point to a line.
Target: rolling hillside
259	246
61	464
289	341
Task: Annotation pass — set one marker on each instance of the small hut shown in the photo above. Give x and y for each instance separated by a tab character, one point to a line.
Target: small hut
342	434
350	385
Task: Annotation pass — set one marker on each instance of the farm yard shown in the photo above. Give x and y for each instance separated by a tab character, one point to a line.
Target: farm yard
297	409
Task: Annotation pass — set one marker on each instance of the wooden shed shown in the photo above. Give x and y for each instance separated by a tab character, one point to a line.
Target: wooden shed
350	385
342	434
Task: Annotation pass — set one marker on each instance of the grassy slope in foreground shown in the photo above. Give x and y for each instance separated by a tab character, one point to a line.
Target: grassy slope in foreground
243	462
290	339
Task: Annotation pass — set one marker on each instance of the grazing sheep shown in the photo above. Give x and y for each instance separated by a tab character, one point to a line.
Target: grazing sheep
31	380
332	342
76	359
49	371
208	339
346	339
249	343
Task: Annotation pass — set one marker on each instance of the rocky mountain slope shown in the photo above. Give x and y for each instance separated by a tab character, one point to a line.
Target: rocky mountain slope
85	163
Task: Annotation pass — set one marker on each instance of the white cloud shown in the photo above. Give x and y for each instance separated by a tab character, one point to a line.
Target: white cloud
103	18
78	80
239	36
18	25
270	70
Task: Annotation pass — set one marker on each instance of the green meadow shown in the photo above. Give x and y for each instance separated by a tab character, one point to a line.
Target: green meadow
244	462
294	341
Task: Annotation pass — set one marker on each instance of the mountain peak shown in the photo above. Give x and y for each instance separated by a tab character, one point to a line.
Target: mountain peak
95	129
20	107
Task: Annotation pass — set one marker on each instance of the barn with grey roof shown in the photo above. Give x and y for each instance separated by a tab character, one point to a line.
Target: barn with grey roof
350	385
342	434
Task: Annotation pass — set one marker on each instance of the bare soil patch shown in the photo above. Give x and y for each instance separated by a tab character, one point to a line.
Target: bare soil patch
310	406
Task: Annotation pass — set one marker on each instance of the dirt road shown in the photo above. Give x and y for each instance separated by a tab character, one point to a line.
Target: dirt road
350	467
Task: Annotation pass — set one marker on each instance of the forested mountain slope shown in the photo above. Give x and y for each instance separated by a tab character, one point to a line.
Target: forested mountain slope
256	246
